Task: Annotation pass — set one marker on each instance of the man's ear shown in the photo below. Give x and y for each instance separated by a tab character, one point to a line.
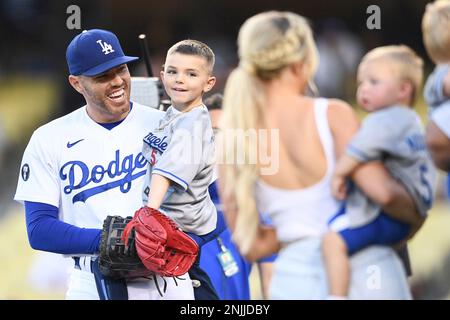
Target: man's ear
209	84
75	83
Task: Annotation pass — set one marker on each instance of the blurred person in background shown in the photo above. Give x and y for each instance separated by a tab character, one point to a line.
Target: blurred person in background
339	54
228	269
436	38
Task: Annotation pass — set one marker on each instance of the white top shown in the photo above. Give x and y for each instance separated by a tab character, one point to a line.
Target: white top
86	170
302	213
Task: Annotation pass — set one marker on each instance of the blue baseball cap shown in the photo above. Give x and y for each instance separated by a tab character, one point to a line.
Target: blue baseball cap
95	51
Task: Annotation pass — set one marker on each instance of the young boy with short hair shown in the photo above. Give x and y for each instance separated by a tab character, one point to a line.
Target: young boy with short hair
180	151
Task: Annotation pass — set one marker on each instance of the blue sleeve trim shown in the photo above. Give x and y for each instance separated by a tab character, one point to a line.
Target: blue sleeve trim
178	180
214	193
358	154
47	233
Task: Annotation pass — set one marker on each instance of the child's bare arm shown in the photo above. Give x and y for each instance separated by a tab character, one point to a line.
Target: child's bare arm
266	243
159	186
375	181
265	276
346	165
344	168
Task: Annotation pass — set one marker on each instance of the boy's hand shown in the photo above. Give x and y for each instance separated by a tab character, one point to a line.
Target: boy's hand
339	187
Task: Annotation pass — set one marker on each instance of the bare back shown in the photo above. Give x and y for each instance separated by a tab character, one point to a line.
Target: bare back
302	161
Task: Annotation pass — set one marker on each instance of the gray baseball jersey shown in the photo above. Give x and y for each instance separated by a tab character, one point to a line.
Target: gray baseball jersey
395	136
182	149
438	103
434	87
441	117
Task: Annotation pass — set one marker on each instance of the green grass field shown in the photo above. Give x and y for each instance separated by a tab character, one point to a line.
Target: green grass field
27	102
428	249
16	259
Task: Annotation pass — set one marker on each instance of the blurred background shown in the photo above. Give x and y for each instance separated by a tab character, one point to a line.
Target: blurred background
34	89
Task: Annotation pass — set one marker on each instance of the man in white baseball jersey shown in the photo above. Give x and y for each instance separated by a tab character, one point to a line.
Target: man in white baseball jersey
80	168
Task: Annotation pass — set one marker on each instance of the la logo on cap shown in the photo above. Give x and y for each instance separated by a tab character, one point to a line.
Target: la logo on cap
93	52
106	48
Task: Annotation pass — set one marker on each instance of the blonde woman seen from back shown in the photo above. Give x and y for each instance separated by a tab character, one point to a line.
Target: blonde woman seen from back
264	108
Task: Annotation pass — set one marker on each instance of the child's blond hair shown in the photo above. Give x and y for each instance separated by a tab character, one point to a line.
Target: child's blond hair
407	64
436	30
194	48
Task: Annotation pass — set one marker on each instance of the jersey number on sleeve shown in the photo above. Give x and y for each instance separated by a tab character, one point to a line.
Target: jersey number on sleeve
428	196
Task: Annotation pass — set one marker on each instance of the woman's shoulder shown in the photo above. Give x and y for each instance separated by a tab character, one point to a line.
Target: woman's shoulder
339	110
339	106
341	115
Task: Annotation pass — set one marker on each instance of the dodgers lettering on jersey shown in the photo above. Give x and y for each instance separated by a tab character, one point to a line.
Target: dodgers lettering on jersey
416	142
86	170
95	175
153	141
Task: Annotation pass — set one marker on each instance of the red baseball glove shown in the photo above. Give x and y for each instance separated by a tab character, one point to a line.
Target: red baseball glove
161	245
